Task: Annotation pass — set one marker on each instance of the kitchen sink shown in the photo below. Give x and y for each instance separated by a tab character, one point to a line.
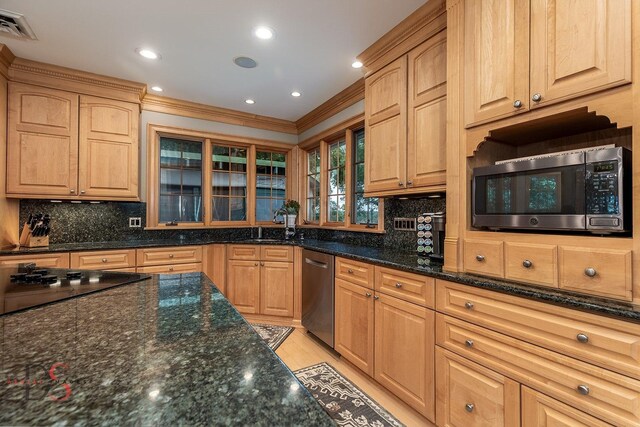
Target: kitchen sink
265	240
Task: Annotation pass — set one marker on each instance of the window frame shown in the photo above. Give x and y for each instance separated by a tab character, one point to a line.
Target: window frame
155	132
290	171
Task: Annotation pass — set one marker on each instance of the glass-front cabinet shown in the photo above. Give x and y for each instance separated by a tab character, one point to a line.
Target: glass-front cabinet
228	183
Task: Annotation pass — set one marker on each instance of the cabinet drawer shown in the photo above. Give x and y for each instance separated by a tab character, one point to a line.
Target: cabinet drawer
171	268
276	253
532	263
607	395
483	257
470	395
605	272
540	410
409	287
43	260
173	255
609	343
356	272
243	252
103	260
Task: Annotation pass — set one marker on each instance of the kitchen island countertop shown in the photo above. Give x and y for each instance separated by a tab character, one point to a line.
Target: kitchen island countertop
169	350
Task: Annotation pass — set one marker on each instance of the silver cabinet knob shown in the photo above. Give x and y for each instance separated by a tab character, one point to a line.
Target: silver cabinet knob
583	338
527	263
468	305
469	407
591	272
398	285
583	389
479	258
517	103
469	343
170	268
262	264
400	184
82	191
350	271
72	191
368	294
409	182
376	297
170	255
536	97
256	264
104	260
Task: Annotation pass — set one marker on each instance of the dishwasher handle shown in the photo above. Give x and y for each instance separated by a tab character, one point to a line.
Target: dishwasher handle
316	263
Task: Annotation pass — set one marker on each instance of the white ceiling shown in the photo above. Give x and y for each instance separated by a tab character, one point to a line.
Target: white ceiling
315	43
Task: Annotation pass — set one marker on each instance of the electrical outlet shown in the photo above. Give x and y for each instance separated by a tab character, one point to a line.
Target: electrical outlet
135	222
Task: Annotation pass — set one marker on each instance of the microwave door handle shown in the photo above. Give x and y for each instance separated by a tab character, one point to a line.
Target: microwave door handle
533	164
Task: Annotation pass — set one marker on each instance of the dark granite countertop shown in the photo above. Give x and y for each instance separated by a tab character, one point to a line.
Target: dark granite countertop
394	258
170	350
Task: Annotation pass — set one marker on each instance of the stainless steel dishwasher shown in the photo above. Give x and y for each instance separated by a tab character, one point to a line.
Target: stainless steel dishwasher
317	294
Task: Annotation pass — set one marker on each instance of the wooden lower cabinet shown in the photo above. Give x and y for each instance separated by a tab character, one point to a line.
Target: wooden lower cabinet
276	288
469	395
404	342
171	268
354	314
58	260
243	285
541	410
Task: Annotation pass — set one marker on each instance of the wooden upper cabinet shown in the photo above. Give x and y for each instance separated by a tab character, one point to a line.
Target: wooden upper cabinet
42	144
496	59
578	47
386	127
108	148
427	107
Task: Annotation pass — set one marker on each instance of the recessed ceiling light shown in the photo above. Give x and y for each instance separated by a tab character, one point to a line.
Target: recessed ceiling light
249	101
295	94
357	64
263	33
156	88
147	53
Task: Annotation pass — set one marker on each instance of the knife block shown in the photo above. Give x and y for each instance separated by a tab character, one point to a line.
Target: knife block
27	240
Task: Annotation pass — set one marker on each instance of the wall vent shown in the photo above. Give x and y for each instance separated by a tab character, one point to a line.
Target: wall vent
404	224
15	25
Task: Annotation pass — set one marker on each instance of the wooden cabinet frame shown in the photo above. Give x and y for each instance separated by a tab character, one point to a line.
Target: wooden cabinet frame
155	132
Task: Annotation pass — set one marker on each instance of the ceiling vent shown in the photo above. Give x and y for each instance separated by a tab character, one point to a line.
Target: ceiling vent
15	25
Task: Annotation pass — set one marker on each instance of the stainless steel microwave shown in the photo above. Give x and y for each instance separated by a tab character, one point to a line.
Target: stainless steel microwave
586	190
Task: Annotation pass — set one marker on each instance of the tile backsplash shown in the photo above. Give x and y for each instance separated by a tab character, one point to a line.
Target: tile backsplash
109	221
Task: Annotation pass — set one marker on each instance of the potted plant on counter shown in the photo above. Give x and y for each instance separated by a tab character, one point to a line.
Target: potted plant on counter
292	207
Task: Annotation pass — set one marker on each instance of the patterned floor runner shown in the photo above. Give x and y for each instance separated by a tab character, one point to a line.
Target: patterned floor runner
343	401
273	335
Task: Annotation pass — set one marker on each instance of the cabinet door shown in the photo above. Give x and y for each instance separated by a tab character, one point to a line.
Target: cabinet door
243	285
42	141
386	127
470	395
404	346
426	161
108	148
578	47
276	288
541	410
496	59
354	324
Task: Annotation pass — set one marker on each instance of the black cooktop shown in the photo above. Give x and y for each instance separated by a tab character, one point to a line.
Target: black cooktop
28	286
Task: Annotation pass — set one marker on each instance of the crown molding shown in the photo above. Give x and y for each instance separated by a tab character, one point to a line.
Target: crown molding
350	123
162	104
41	74
423	23
6	58
337	103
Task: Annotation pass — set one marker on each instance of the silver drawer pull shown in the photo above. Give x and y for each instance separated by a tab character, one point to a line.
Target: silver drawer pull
479	258
583	338
517	103
527	263
468	305
469	407
170	255
104	260
398	285
368	294
170	268
583	389
469	343
591	272
350	271
376	297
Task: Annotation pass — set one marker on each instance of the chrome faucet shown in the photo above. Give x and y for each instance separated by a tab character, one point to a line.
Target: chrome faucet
289	232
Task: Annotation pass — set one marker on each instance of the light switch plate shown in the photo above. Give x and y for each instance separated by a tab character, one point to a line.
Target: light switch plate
135	222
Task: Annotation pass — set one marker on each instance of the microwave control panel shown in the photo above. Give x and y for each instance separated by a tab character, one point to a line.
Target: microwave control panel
602	195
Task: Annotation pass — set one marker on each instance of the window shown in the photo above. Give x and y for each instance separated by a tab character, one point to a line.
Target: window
229	183
271	183
313	185
364	209
180	196
336	179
